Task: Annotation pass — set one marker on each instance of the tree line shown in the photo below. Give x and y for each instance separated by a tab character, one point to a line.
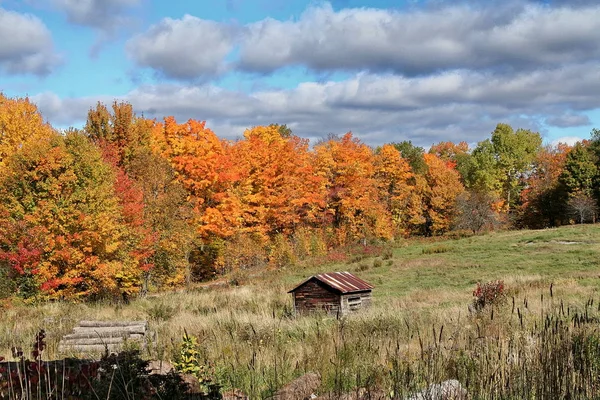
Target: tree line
130	204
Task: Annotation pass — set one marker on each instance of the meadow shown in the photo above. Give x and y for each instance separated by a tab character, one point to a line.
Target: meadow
541	342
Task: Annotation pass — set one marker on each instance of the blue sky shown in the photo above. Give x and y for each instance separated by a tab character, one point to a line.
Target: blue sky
389	71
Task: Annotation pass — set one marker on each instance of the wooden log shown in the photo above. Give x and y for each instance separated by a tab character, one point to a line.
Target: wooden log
117	331
106	324
92	335
86	341
92	348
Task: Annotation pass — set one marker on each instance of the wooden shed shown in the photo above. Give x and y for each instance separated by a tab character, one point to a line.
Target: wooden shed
338	293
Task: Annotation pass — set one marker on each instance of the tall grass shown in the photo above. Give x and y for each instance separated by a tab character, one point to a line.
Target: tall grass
532	347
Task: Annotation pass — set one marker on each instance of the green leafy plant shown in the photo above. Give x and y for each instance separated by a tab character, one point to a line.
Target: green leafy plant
190	362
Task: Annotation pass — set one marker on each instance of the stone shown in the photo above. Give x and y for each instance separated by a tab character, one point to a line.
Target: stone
235	394
301	388
157	367
447	390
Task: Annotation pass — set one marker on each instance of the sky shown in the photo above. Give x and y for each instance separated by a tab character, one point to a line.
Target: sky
419	70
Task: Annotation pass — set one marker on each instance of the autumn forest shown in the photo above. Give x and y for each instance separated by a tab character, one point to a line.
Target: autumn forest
129	204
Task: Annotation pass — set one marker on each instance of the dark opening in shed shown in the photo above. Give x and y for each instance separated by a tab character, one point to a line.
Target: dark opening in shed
338	293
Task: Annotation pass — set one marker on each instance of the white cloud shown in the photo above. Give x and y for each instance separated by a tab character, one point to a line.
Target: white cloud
26	46
570	140
185	48
450	106
425	40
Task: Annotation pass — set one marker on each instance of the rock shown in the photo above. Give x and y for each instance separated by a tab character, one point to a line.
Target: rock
447	390
235	394
360	394
299	389
193	384
160	367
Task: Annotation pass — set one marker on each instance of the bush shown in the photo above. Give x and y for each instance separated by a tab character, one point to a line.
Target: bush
436	249
488	294
161	312
189	362
362	267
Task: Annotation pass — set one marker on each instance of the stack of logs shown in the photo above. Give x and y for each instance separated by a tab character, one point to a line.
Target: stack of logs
98	336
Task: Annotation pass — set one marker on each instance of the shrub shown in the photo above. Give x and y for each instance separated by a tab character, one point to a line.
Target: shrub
189	362
377	263
362	267
488	294
387	254
436	249
161	312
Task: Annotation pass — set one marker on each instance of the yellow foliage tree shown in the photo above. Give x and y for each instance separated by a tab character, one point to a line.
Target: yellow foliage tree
20	122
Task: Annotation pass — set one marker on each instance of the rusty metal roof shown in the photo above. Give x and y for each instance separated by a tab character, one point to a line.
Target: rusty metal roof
345	282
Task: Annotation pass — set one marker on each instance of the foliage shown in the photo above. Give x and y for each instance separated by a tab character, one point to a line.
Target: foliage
443	187
352	204
543	199
498	164
62	223
488	294
20	123
189	362
580	173
129	205
413	154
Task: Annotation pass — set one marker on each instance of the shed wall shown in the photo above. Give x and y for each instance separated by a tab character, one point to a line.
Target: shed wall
313	296
355	301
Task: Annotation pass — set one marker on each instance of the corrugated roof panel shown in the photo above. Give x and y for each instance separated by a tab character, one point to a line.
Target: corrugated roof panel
345	282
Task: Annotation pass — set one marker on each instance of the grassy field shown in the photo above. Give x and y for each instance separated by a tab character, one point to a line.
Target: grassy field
418	331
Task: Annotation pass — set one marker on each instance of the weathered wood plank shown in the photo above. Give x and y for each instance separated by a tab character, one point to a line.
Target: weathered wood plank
118	330
90	341
107	324
92	335
96	348
95	336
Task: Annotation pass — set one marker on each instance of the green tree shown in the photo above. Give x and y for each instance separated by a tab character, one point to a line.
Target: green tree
499	164
481	172
580	173
515	153
413	154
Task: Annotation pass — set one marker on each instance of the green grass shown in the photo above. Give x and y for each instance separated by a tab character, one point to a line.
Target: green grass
568	255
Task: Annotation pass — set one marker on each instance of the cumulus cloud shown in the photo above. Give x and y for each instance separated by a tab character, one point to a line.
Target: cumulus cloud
105	15
26	47
449	106
185	48
499	37
423	41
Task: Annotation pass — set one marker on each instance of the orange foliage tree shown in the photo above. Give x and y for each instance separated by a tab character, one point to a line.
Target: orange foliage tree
395	184
443	187
353	203
542	199
275	182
